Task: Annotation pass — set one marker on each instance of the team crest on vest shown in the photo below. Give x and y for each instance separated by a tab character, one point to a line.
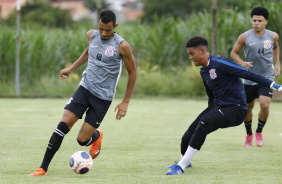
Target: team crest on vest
267	44
212	73
109	51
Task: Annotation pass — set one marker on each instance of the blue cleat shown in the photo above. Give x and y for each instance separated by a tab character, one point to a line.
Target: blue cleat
175	170
170	166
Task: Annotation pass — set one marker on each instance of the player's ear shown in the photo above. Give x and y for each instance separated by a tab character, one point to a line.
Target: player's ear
115	26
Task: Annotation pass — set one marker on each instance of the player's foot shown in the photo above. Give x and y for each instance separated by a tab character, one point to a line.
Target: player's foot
249	141
38	172
170	166
259	140
176	169
95	147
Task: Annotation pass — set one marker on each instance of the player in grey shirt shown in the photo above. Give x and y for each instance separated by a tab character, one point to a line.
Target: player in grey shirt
105	53
260	47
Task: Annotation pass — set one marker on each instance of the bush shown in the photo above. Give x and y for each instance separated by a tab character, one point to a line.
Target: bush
159	50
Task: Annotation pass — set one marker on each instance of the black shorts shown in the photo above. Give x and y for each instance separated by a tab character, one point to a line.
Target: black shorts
83	100
254	91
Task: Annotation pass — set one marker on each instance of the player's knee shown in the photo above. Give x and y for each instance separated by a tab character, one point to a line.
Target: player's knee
264	107
204	124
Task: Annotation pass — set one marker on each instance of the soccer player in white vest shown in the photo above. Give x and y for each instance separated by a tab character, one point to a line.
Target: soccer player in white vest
260	48
105	54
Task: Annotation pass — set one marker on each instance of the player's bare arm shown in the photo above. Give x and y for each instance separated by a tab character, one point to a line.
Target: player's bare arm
276	54
241	42
125	53
80	61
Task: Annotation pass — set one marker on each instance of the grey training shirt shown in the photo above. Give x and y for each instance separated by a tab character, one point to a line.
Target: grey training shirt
104	67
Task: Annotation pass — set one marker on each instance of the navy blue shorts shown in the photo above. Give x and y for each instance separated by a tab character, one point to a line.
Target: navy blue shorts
96	108
254	91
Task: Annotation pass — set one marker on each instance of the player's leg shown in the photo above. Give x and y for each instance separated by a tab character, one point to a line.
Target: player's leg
265	96
186	151
248	124
190	131
188	134
218	118
251	93
73	111
67	122
89	134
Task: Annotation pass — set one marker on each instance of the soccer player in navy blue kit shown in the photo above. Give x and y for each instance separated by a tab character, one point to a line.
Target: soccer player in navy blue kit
227	102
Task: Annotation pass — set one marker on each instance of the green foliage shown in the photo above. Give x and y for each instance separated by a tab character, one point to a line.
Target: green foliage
175	8
159	50
185	8
92	4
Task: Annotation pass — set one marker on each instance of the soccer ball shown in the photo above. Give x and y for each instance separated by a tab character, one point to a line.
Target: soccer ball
81	162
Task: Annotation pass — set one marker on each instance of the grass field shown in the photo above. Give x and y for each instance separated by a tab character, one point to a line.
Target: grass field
135	149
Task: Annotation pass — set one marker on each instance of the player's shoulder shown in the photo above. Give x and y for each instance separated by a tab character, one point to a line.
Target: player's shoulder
275	36
222	61
90	33
124	44
248	32
242	38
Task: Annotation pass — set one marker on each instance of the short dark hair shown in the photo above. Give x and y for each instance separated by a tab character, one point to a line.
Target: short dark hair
260	11
107	16
197	41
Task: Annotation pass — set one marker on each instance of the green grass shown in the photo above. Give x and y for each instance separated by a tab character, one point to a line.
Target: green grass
135	149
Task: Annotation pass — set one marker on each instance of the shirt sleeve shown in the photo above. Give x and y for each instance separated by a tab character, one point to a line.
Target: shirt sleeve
230	68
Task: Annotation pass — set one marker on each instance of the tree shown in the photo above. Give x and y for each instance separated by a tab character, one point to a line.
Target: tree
42	13
184	8
92	4
175	8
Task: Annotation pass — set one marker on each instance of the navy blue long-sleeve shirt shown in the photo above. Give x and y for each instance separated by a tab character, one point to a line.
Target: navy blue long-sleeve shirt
222	80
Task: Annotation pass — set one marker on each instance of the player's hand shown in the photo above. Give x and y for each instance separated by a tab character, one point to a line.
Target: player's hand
121	110
247	65
65	73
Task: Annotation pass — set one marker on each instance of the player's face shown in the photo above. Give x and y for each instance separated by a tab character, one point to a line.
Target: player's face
196	55
106	30
258	23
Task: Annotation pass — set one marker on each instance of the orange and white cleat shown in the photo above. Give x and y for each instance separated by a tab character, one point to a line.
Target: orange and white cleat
95	147
38	172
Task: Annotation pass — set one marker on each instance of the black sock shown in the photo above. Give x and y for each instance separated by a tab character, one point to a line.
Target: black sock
248	125
94	137
54	144
260	126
